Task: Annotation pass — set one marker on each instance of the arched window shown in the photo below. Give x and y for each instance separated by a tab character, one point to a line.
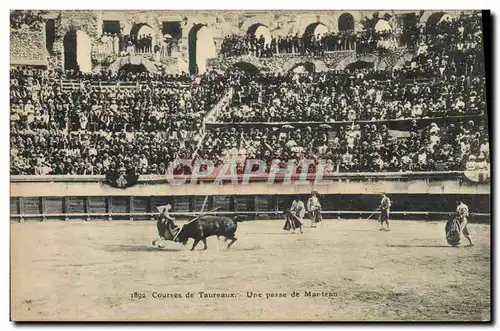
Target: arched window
346	22
304	67
245	66
316	29
436	18
201	48
258	30
77	49
142	36
134	68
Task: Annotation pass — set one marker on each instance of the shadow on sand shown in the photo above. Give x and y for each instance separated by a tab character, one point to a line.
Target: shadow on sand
428	246
243	249
353	230
132	248
272	233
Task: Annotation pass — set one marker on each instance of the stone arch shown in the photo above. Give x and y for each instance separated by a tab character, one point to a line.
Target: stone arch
292	63
134	60
134	18
139	29
248	59
77	51
353	58
358	16
69	45
361	65
259	29
435	18
346	22
247	24
246	66
424	18
303	67
288	65
319	65
201	47
302	21
315	29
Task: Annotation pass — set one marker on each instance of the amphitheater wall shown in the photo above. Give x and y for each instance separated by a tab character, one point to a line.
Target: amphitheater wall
27	48
279	23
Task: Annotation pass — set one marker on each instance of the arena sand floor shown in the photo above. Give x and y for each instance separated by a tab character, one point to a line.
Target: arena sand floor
90	270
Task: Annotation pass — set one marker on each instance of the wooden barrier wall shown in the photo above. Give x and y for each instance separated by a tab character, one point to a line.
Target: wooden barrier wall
90	197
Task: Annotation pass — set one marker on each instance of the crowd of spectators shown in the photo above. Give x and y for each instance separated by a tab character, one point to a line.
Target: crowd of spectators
50	151
92	130
144	43
108	76
67	132
451	47
307	44
32	19
110	43
97	126
460	36
334	96
461	145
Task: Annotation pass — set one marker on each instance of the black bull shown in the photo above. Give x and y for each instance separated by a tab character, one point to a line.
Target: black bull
202	228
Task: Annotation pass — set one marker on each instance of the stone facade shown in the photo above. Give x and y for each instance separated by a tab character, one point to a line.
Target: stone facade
220	23
283	64
27	47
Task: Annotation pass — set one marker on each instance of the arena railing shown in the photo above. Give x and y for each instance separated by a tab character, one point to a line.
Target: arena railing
263	177
291	55
425	215
71	197
75	84
423	120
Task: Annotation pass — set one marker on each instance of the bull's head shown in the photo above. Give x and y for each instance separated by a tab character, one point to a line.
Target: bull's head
180	236
171	234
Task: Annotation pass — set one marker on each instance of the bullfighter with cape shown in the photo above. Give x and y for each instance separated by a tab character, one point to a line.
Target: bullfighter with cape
165	225
294	216
457	225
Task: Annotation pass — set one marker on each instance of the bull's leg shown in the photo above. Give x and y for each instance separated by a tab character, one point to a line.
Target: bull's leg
233	239
204	243
196	241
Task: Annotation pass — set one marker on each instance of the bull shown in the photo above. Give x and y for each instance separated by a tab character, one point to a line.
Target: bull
206	226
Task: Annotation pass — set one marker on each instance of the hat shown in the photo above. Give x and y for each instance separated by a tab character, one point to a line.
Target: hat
164	208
